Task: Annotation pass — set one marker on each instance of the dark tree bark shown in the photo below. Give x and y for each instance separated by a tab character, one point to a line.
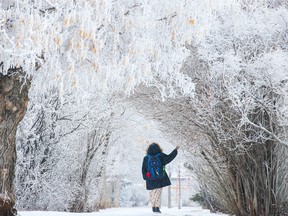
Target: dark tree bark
13	104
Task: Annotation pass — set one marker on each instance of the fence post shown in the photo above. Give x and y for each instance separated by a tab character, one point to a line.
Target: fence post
169	192
179	188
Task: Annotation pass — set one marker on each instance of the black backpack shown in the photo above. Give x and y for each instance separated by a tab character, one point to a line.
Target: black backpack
156	169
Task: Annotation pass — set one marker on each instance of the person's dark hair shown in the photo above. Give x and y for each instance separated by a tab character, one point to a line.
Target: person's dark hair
153	149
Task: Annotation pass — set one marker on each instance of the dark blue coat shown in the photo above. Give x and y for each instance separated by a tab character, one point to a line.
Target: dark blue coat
165	159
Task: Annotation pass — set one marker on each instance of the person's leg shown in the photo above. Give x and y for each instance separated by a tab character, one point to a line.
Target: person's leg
155	199
152	196
158	199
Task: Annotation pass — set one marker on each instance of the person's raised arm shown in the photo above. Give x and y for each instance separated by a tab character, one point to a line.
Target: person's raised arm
171	156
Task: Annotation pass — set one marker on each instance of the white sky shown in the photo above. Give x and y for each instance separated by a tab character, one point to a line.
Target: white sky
142	211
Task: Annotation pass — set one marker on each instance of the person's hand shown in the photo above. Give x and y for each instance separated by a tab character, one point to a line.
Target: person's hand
177	147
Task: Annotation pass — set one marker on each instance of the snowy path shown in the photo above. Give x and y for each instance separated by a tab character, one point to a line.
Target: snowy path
185	211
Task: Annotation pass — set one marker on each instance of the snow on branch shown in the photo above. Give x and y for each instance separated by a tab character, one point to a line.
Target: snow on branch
272	134
112	44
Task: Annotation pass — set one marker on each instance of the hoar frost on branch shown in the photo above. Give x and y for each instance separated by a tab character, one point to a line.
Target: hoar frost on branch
242	108
111	45
238	65
249	54
238	118
62	151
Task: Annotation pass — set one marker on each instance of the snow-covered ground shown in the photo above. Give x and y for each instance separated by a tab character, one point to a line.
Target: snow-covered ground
139	211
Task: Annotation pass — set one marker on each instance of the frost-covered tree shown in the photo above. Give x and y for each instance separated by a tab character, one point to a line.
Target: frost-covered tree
37	139
239	66
239	52
14	99
62	149
90	195
108	45
242	107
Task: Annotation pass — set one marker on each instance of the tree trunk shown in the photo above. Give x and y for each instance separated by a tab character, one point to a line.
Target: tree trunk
13	104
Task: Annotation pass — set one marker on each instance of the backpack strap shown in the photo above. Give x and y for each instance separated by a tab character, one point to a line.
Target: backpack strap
163	166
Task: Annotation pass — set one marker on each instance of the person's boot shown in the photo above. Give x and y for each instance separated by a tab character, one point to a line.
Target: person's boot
153	209
157	210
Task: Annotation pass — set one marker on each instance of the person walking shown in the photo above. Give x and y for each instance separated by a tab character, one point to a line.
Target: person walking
153	172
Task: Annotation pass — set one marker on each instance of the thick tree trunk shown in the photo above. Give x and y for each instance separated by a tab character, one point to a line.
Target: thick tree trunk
13	104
